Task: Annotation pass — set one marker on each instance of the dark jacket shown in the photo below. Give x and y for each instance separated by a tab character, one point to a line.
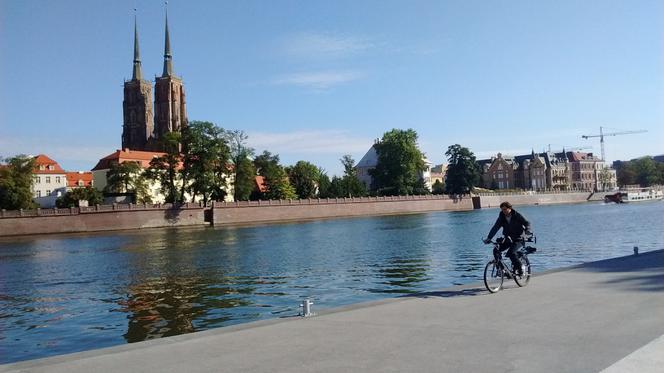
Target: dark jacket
514	228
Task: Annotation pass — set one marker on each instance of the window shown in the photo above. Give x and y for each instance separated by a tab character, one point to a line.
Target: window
38	193
57	179
42	167
38	180
48	179
48	192
80	183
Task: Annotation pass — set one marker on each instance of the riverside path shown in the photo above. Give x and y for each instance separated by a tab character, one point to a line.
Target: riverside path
606	315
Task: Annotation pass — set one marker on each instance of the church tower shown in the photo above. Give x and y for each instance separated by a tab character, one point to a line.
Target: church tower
169	98
138	122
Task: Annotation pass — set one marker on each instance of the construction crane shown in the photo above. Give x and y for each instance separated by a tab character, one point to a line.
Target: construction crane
602	134
570	148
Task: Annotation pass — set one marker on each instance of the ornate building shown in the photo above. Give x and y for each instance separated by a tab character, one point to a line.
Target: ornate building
143	130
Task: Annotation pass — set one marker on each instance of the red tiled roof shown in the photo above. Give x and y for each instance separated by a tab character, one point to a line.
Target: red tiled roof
42	161
126	155
578	156
260	184
74	177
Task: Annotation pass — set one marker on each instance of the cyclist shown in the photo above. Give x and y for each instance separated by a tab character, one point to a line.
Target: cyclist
514	225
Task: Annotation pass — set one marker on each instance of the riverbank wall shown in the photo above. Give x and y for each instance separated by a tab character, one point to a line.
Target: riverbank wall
495	199
123	216
251	212
99	218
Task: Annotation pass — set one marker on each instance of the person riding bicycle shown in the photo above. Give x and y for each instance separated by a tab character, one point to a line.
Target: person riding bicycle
514	226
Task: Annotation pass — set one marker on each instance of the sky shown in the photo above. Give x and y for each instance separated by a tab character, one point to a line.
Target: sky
314	80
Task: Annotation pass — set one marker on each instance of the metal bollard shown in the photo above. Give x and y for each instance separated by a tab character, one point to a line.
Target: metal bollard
636	250
306	308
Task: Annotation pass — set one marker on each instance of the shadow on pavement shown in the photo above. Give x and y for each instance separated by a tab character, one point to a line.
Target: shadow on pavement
643	272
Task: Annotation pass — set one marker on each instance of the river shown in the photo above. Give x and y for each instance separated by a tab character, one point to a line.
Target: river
66	293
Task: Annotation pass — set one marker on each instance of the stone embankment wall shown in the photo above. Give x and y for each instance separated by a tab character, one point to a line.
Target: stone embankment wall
494	200
99	218
121	216
296	210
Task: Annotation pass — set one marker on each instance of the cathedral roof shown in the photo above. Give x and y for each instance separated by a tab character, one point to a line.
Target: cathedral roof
127	155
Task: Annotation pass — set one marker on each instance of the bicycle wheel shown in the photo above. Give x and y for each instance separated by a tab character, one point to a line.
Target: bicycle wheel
522	280
493	276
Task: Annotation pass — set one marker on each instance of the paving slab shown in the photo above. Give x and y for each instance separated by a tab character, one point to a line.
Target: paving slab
582	319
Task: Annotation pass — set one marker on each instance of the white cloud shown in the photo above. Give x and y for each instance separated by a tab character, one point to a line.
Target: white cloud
318	80
323	45
309	142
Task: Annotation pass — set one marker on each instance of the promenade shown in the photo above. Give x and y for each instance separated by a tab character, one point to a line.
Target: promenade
601	315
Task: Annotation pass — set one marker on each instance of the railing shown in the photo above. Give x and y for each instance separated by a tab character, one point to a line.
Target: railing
529	192
98	209
330	201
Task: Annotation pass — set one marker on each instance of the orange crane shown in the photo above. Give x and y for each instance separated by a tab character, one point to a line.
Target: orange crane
602	134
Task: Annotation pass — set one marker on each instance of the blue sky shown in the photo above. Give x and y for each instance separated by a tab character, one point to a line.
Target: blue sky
313	80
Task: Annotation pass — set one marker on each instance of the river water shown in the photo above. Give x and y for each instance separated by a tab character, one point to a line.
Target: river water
68	293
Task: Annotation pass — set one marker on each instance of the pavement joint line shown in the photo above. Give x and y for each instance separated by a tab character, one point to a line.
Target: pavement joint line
643	360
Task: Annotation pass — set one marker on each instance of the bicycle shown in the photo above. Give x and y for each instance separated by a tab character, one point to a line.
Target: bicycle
496	270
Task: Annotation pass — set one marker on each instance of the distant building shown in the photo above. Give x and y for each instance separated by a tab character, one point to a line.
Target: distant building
585	167
558	171
49	181
497	172
530	172
143	159
438	174
80	179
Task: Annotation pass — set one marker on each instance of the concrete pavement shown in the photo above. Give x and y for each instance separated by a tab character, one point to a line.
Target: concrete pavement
601	315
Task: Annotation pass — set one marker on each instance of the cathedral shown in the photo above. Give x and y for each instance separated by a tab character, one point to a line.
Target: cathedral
145	124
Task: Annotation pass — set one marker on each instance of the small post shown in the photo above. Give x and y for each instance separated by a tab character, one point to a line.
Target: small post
306	308
636	250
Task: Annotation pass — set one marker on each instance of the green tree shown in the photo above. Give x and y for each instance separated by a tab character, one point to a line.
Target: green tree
400	163
275	178
244	172
16	183
304	177
324	185
73	197
646	171
350	184
462	172
128	177
205	161
164	169
438	187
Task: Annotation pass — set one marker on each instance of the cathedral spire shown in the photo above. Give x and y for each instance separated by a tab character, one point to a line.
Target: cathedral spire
137	73
168	63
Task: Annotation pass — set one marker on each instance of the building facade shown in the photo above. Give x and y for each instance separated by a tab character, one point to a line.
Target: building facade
49	181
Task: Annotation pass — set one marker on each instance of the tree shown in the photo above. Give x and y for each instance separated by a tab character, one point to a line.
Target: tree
304	178
16	183
205	156
350	184
646	171
400	163
462	172
438	187
324	185
244	172
128	177
164	169
73	197
275	178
